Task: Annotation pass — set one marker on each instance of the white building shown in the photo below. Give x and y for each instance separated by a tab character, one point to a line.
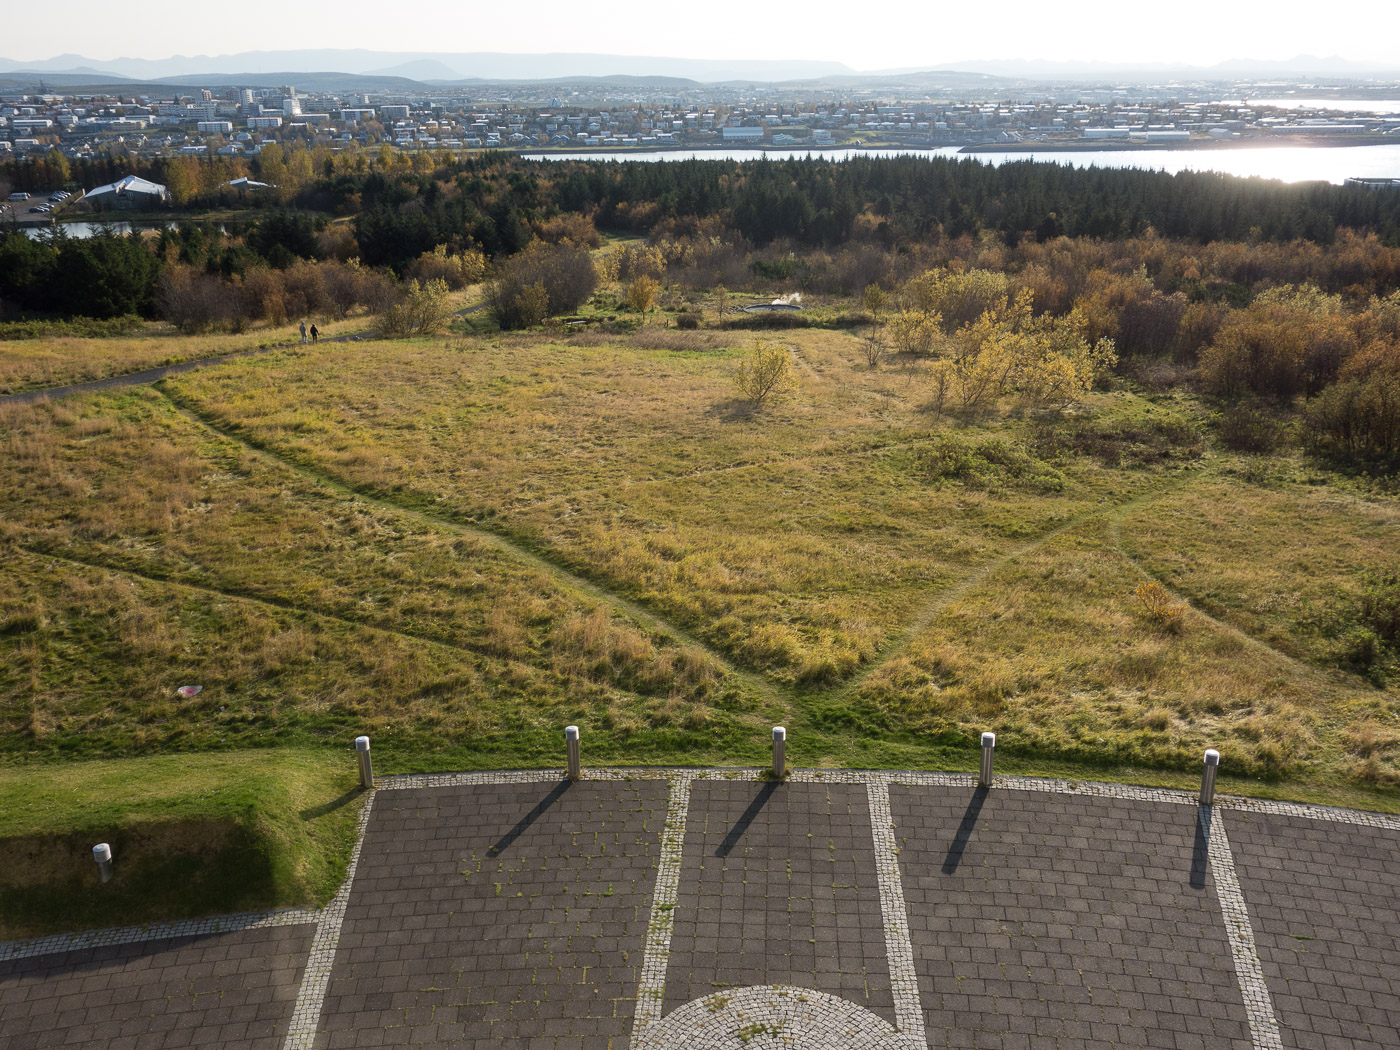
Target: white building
130	192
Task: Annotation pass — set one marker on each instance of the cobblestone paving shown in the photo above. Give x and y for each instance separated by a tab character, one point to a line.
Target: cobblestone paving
498	915
839	910
1325	902
228	990
1043	920
779	886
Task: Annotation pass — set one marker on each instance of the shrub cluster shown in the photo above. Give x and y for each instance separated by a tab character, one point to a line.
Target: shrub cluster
542	282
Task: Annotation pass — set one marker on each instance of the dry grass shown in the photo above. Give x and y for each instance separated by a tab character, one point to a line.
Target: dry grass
144	553
797	539
591	529
35	363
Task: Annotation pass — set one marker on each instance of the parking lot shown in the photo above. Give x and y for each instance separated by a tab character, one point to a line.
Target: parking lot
22	211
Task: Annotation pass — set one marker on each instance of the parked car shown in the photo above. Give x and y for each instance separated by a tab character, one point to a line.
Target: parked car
19	196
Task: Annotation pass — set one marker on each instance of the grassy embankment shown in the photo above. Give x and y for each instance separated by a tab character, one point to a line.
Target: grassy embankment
461	545
190	834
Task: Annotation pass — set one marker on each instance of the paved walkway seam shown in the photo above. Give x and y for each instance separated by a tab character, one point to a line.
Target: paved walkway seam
156	931
311	997
1383	821
912	778
651	988
899	950
1258	1003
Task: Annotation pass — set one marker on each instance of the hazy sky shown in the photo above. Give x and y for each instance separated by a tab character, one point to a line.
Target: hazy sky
887	35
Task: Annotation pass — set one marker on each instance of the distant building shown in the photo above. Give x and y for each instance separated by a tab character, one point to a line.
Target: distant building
128	193
214	127
1375	184
394	112
263	123
741	134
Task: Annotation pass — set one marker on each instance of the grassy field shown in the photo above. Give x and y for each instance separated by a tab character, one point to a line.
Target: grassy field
30	364
459	545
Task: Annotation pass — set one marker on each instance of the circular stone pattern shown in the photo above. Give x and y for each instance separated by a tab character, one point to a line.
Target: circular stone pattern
769	1017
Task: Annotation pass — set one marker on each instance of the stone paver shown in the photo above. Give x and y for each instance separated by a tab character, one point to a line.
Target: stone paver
498	915
709	910
1043	920
229	990
779	886
1324	899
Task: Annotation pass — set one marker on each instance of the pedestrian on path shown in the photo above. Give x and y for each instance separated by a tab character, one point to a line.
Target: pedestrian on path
314	333
303	333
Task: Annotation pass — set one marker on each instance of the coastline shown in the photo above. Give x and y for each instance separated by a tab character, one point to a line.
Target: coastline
1207	145
1073	146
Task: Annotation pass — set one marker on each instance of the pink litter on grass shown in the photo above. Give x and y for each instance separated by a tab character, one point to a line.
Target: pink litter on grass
189	690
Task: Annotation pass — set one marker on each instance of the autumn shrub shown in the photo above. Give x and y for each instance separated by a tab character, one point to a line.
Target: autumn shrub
957	298
349	285
424	309
571	228
1154	600
304	290
456	271
912	331
1045	361
337	241
566	276
196	301
641	294
1255	352
1107	295
764	374
1358	419
641	260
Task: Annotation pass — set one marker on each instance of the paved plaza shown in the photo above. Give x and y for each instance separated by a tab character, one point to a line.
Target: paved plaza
715	910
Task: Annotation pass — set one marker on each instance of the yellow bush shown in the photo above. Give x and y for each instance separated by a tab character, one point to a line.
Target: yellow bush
641	294
1161	610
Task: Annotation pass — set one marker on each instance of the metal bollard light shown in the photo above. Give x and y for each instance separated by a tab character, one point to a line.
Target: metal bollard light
1212	763
571	739
779	752
102	854
984	772
366	769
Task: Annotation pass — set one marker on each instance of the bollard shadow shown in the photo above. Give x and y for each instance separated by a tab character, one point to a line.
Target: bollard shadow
964	832
523	825
746	818
313	812
1200	852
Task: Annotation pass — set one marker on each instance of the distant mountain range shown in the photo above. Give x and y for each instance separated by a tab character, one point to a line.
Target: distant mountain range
364	70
